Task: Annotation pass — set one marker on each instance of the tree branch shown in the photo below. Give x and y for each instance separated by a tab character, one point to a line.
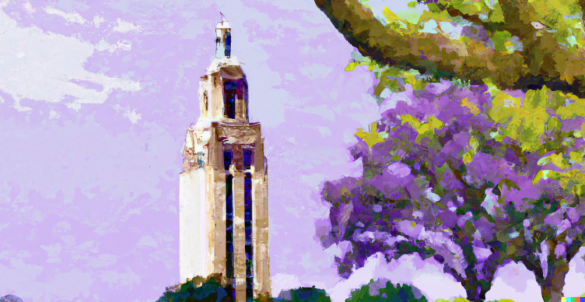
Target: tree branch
543	62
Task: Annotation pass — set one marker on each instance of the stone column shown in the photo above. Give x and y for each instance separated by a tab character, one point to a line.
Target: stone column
216	96
216	212
260	222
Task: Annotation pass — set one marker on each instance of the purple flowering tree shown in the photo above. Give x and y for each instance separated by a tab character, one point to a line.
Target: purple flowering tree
470	175
482	161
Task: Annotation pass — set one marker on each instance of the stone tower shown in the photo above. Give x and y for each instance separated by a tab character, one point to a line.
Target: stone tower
224	184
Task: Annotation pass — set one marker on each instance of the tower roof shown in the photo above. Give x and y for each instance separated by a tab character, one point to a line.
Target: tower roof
224	23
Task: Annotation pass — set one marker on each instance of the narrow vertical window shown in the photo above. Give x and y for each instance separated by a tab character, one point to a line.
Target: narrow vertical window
227	159
247	159
206	103
228	44
229	232
229	99
249	248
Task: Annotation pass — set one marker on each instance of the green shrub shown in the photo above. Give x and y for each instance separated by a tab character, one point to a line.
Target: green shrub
211	289
215	289
398	293
307	294
302	294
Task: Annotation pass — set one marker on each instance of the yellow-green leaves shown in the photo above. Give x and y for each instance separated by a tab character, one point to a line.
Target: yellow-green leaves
508	184
563	19
393	20
469	7
557	159
352	65
373	137
573	180
396	79
472	149
500	38
574	109
504	107
523	122
424	129
496	15
471	106
543	174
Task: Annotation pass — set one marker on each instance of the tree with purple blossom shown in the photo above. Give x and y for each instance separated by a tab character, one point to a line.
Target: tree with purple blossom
472	176
478	160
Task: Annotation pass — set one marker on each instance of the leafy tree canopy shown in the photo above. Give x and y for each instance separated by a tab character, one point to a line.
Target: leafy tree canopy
513	43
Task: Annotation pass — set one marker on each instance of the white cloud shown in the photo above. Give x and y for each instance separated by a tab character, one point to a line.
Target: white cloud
125	27
324	131
23	280
426	275
513	281
130	114
103	45
70	17
146	240
28	7
314	179
127	279
316	71
53	252
133	116
54	115
43	66
97	20
282	282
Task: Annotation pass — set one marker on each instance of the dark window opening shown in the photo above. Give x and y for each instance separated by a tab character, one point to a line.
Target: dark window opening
228	44
229	99
248	159
206	103
229	232
227	159
248	224
200	159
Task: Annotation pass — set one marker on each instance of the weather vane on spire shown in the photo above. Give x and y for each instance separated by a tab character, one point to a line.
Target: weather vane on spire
222	17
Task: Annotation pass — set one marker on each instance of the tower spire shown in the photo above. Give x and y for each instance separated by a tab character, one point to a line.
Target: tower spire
223	41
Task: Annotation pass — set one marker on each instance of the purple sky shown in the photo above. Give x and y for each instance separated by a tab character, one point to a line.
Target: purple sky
95	101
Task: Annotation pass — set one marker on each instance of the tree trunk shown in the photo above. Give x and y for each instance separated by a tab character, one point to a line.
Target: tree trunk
479	277
472	289
552	287
477	287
